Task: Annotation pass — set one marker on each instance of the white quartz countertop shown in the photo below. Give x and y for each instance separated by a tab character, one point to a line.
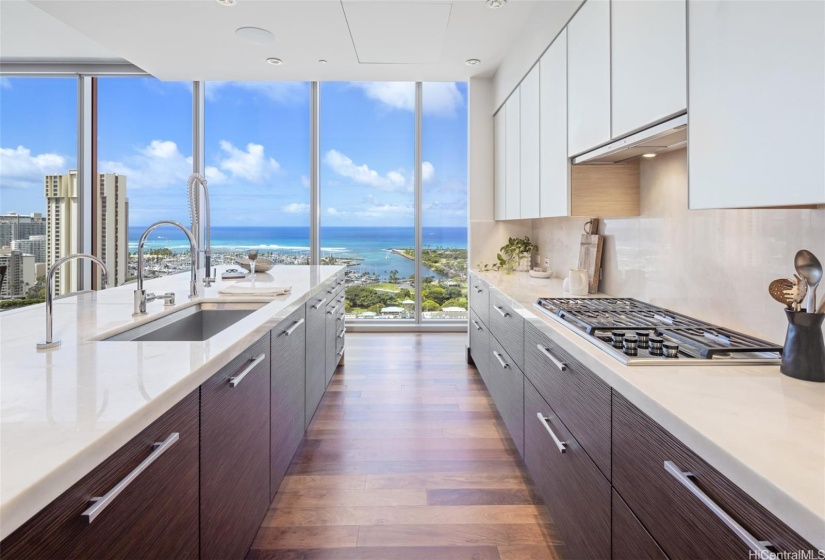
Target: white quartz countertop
63	411
763	430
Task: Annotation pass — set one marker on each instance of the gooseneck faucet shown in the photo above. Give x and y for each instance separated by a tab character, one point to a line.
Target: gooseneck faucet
141	297
50	342
201	229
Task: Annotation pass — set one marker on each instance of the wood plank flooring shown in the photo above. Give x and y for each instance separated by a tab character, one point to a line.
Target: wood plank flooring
406	459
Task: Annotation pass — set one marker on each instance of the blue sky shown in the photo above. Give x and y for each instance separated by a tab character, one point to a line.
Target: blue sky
257	149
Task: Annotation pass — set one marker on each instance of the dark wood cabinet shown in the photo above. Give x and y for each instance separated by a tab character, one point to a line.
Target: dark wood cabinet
578	396
287	400
480	346
630	540
575	491
480	298
507	389
316	354
687	505
508	327
235	419
154	516
331	340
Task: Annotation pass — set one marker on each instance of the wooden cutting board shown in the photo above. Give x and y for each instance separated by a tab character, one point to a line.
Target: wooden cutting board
590	254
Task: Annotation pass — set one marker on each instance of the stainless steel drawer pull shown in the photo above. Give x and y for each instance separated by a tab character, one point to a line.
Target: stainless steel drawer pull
339	318
319	304
546	351
332	310
341	334
294	326
478	327
501	310
235	381
685	479
101	503
562	445
478	290
340	353
500	359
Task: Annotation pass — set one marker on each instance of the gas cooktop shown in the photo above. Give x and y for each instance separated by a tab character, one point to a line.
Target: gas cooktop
637	333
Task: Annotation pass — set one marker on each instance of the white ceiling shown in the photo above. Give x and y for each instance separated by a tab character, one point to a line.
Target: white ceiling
195	39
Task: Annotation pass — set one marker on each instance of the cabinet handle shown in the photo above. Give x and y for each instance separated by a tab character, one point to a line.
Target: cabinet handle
294	326
684	479
500	359
341	334
501	310
340	353
235	381
332	310
319	304
562	445
339	318
546	351
478	290
101	503
478	327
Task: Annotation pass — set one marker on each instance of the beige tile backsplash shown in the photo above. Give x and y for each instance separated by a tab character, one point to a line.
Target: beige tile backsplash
713	264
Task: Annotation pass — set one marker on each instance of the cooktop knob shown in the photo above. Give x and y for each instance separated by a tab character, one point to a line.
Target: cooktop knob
618	339
656	346
643	337
630	343
671	350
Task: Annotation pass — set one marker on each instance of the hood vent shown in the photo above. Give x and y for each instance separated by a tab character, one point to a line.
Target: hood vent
663	137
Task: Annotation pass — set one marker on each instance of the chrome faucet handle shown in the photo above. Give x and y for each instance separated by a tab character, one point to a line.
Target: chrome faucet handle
168	299
208	280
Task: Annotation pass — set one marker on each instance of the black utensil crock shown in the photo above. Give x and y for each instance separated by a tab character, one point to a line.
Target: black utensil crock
803	356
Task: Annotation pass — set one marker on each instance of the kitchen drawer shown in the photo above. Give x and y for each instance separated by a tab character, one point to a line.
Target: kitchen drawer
508	327
480	298
581	399
575	492
480	346
508	392
316	355
334	311
155	516
630	540
287	394
235	454
683	522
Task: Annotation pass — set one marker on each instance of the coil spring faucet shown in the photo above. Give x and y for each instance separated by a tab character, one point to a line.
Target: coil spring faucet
197	229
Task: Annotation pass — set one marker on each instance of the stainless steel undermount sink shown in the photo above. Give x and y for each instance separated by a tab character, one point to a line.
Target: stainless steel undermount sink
194	323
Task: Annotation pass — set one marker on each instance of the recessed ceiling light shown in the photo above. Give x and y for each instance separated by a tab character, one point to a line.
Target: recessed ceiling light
274	61
496	4
227	2
255	35
649	155
473	62
322	61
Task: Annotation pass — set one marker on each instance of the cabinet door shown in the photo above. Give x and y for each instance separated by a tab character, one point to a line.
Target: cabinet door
500	164
332	313
757	73
480	346
480	298
512	165
649	62
315	353
235	453
287	395
554	164
588	74
154	516
576	494
530	144
507	390
630	540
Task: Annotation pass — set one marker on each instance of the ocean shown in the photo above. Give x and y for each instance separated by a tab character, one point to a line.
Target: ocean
372	244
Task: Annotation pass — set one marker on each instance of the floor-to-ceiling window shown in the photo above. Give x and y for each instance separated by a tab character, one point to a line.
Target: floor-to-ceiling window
258	166
367	160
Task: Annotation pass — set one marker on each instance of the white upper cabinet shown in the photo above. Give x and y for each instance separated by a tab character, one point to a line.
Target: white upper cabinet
530	144
512	158
588	73
649	62
554	165
757	103
500	177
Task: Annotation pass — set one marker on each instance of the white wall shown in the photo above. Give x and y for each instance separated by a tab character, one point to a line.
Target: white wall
547	20
712	264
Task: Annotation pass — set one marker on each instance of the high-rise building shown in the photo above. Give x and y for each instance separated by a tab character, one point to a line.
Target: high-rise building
20	272
35	245
20	226
111	227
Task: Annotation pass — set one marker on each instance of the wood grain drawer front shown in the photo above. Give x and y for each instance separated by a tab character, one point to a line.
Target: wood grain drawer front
630	540
480	298
508	387
315	353
154	516
332	314
480	345
581	399
508	328
690	517
287	399
235	455
576	493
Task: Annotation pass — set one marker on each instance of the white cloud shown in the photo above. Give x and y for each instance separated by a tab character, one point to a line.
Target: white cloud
156	166
344	166
386	210
427	171
439	98
305	181
335	212
296	208
281	92
19	169
5	83
251	165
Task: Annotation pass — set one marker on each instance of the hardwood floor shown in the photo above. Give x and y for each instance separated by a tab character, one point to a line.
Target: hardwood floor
406	459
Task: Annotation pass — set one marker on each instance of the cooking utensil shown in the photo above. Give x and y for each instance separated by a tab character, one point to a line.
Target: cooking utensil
590	254
809	267
796	293
777	290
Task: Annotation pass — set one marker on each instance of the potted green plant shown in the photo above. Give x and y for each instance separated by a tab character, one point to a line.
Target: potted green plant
515	255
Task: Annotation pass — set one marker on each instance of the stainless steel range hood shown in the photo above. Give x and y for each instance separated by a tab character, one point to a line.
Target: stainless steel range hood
663	137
